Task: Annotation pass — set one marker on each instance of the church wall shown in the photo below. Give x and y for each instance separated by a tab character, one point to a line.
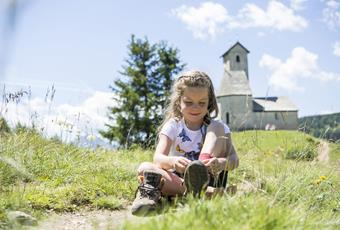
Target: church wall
280	120
236	111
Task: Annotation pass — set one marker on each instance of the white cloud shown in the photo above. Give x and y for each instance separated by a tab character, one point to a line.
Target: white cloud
336	50
301	64
270	62
331	14
297	4
65	121
276	16
210	19
204	21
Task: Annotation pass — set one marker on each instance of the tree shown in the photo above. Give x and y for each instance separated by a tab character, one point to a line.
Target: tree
141	92
322	126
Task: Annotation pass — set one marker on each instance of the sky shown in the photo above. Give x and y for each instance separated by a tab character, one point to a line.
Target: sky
65	54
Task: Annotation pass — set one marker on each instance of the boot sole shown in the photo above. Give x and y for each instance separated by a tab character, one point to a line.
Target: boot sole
144	211
196	178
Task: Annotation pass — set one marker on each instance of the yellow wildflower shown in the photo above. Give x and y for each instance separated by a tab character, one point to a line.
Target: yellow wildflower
323	178
319	180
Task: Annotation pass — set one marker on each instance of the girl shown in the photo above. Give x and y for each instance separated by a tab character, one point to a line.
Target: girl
187	134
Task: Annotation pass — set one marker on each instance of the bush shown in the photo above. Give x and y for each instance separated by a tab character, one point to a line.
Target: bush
307	152
333	134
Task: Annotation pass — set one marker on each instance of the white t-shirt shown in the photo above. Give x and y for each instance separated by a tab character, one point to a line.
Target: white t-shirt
186	142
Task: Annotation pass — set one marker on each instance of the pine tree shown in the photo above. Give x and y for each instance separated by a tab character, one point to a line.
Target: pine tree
141	92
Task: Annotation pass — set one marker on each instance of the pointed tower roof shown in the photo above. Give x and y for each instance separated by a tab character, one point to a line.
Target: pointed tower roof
237	43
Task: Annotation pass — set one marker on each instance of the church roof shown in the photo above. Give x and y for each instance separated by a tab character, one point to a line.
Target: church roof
237	43
234	83
278	104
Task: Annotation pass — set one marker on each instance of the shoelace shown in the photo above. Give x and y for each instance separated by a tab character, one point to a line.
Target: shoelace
148	192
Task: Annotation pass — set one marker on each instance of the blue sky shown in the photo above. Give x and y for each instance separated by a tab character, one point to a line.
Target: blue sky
80	45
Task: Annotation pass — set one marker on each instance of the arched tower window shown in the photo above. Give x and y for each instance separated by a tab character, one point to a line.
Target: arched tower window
237	58
227	118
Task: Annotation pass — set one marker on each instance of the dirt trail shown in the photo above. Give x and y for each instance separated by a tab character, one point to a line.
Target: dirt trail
323	151
87	220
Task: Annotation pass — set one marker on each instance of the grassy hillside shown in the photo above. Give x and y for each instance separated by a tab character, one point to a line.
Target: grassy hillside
286	189
284	193
38	176
322	126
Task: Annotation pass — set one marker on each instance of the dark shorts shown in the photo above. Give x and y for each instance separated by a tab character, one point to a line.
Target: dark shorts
220	181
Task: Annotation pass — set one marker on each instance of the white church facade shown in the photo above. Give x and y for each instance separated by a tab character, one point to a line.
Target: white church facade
239	109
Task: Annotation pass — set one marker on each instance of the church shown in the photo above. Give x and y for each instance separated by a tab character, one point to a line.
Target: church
239	109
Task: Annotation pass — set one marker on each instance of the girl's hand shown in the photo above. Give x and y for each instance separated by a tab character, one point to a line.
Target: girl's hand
180	163
213	165
232	162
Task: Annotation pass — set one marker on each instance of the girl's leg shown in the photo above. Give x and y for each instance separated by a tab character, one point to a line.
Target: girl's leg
173	184
215	141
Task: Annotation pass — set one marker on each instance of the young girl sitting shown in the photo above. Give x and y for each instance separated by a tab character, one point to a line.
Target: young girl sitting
193	150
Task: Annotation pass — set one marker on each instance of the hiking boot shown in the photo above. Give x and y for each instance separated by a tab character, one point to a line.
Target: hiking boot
148	194
196	177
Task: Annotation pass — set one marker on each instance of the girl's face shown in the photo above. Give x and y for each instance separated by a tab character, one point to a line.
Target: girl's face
194	106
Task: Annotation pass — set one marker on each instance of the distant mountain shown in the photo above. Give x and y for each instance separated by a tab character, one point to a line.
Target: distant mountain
322	126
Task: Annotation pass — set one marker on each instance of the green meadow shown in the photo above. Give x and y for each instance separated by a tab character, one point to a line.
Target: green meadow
280	184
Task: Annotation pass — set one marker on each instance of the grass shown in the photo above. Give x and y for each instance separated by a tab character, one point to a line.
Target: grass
335	153
289	193
39	175
290	190
291	144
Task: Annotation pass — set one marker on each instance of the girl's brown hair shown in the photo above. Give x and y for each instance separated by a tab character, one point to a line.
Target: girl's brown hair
190	79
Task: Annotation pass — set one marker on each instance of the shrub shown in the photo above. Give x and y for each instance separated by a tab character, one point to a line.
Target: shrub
307	152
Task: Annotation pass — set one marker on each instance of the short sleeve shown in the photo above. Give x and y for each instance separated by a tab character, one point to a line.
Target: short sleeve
226	128
170	129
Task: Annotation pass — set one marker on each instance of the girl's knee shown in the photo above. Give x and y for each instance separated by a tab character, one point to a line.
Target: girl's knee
146	166
216	127
215	140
